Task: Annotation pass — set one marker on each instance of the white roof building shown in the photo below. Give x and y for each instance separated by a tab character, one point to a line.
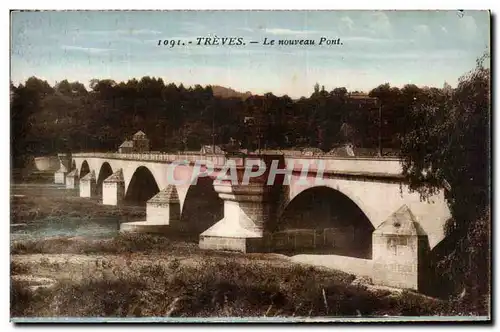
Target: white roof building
127	144
211	149
139	135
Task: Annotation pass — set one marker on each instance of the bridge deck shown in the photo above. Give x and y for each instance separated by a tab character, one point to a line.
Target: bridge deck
378	167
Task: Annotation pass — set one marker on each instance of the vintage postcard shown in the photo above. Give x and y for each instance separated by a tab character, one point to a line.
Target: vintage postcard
250	166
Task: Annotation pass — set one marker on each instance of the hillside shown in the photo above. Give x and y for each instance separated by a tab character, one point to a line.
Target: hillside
220	91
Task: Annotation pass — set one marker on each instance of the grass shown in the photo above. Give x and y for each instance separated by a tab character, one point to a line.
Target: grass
214	288
146	275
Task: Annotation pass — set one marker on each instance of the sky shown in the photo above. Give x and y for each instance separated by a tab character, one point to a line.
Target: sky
426	48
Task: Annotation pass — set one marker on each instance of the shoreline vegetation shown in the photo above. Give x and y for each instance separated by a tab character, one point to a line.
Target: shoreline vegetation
166	276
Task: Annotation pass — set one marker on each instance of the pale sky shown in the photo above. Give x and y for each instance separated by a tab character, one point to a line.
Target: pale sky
399	47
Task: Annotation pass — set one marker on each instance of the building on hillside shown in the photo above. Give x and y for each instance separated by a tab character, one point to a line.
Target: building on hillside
311	152
361	99
126	147
249	120
345	150
139	143
351	150
211	149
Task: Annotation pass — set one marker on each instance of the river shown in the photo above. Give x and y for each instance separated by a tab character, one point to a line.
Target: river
43	210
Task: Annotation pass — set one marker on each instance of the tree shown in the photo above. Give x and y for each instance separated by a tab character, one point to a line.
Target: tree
316	89
66	88
447	143
104	87
339	92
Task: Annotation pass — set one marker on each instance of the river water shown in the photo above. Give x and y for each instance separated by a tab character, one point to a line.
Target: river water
57	219
72	226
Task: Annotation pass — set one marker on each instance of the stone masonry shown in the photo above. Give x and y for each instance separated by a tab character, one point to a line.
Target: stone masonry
163	213
164	207
72	179
88	186
400	243
113	189
60	175
245	213
400	248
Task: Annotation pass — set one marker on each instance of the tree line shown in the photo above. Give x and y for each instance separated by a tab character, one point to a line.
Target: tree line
67	117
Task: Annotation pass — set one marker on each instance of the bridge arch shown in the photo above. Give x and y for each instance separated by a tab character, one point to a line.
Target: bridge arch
142	187
202	207
84	169
324	220
105	171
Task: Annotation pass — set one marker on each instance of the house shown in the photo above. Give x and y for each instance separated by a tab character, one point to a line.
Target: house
139	143
249	120
362	100
346	150
311	151
126	147
211	149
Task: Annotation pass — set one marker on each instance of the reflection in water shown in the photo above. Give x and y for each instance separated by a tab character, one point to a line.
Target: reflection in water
69	227
45	210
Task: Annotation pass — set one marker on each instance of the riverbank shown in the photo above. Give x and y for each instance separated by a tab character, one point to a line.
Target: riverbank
160	276
137	276
35	202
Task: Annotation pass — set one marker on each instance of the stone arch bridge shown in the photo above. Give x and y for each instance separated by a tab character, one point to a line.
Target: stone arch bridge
372	187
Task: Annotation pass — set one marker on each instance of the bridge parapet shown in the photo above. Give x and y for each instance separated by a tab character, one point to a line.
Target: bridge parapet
159	157
382	167
354	166
215	159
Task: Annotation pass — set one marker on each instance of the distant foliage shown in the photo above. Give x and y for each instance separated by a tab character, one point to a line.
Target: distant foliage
68	117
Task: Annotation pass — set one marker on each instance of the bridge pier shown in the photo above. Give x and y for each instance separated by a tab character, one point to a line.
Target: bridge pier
164	208
163	211
246	211
60	175
400	252
113	189
72	179
88	187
